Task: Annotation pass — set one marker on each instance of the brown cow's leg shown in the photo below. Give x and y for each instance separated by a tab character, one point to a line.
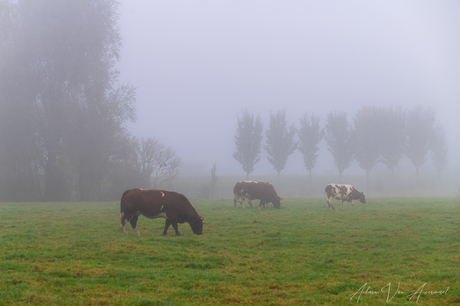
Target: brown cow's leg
133	222
167	224
237	198
242	198
250	204
174	224
124	222
262	203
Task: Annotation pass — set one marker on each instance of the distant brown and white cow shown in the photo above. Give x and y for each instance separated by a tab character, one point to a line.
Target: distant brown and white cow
256	190
153	204
343	192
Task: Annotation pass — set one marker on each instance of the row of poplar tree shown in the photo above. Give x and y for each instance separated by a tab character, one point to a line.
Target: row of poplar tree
378	134
62	115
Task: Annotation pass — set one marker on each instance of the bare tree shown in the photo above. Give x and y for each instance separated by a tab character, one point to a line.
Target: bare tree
157	162
310	134
419	131
394	137
146	153
248	141
141	163
280	141
339	138
369	129
438	145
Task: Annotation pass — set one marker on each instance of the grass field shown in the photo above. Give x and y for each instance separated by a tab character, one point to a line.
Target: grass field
303	254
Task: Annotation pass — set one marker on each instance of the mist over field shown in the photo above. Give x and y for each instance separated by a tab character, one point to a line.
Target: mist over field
198	65
97	97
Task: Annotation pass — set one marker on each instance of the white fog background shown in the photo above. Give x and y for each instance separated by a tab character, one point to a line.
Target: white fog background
197	64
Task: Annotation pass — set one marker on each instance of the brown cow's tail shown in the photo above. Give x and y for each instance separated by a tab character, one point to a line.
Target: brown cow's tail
121	207
235	189
124	193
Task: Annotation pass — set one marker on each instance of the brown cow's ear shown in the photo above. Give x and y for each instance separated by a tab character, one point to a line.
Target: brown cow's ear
201	218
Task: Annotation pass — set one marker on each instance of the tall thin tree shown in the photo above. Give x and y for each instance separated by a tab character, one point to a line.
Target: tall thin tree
393	138
310	135
248	140
280	141
439	149
420	125
369	129
339	138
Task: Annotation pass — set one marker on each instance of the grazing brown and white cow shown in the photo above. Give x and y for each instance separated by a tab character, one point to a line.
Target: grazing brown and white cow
153	204
343	192
256	190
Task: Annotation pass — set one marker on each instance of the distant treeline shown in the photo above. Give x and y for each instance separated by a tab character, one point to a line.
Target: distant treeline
376	135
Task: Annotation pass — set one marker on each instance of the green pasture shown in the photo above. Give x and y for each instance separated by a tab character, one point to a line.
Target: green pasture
390	251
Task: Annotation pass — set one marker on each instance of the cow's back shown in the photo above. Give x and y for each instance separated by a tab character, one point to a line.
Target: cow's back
256	190
338	191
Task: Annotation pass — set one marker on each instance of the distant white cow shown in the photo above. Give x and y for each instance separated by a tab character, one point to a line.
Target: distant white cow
343	192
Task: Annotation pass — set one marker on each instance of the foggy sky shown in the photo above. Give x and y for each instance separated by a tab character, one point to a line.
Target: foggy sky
198	64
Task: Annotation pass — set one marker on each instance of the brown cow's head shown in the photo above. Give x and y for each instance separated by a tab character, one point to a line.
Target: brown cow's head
277	202
362	199
197	225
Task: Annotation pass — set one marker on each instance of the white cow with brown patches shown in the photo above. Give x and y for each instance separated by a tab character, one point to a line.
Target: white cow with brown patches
343	192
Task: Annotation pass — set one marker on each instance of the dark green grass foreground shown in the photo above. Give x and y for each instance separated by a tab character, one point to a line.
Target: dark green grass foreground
303	254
